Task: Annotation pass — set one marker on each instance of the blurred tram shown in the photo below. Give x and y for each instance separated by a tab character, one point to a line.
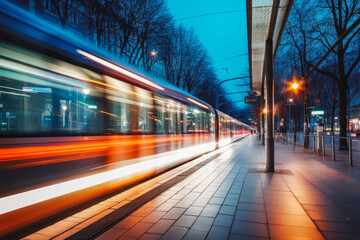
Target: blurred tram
75	124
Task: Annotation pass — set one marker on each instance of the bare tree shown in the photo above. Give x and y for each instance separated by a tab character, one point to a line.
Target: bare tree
132	29
98	17
337	17
312	29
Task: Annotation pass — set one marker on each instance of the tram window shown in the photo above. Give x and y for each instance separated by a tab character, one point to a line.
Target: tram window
223	126
190	120
145	107
211	122
121	104
167	119
160	109
34	100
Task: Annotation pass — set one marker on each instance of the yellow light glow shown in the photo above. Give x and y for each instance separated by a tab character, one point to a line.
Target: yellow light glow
119	69
295	86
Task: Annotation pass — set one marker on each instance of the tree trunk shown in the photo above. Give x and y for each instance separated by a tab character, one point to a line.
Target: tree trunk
343	117
332	120
343	85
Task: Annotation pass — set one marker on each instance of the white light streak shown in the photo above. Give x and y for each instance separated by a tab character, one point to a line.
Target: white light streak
119	69
147	164
17	94
197	103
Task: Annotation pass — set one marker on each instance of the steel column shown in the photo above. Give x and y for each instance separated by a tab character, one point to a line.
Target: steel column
314	143
350	152
333	148
269	144
262	121
306	122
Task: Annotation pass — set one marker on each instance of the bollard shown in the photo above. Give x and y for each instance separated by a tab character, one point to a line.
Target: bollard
323	145
314	143
298	140
304	143
350	152
294	141
333	148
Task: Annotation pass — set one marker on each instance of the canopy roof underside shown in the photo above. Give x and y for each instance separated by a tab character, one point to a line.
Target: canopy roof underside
260	14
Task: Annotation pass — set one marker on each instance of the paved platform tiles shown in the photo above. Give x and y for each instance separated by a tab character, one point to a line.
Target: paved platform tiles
229	198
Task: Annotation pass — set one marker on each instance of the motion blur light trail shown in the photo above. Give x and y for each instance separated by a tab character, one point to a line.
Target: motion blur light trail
28	198
119	69
12	157
77	126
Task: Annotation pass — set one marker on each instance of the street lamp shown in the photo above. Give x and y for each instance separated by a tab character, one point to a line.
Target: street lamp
153	53
294	86
223	81
290	103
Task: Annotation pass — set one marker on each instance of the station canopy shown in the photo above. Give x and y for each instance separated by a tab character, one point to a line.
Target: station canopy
264	17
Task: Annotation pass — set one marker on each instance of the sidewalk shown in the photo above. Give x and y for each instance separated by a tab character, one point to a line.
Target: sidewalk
226	196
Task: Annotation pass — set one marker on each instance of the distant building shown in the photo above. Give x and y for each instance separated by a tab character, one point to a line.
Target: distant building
354	109
50	10
354	116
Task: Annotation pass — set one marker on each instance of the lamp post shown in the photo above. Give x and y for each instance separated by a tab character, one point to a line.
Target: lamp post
153	53
306	116
295	86
290	103
223	81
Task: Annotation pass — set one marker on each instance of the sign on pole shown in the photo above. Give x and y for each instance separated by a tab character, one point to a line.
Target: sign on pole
317	112
251	99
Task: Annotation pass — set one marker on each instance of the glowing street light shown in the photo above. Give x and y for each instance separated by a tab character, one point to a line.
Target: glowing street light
295	86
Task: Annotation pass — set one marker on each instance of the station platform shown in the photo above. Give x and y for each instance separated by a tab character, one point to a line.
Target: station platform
226	194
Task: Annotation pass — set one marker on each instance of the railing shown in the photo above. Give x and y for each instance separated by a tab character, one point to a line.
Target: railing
322	144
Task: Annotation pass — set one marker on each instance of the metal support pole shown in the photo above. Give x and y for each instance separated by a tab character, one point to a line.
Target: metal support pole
262	117
333	147
314	143
323	145
269	146
260	124
306	127
350	152
294	141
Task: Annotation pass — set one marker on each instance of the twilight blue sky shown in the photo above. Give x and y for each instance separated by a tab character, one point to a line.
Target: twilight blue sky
223	35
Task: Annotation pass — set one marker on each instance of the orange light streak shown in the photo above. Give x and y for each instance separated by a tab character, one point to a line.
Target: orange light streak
21	153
